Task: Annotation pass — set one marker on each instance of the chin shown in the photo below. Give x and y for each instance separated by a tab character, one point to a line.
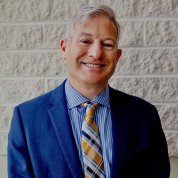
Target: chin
95	82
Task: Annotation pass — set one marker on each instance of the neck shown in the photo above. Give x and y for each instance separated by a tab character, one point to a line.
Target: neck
89	91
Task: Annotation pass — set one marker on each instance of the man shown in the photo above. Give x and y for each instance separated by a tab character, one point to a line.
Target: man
84	128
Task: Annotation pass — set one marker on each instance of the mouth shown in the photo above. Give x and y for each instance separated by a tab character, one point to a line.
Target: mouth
93	65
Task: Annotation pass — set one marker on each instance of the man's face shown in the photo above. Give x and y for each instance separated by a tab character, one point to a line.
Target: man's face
91	55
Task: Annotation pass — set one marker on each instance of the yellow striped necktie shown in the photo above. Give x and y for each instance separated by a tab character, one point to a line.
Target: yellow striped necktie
91	145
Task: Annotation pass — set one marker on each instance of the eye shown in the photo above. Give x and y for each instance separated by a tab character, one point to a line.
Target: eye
85	42
108	46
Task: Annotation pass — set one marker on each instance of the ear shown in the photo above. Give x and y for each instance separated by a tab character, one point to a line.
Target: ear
63	46
119	53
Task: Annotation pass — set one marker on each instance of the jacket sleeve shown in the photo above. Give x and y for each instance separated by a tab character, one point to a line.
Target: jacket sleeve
19	162
161	162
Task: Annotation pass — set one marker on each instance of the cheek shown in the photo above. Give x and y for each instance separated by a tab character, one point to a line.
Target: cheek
112	59
71	62
79	51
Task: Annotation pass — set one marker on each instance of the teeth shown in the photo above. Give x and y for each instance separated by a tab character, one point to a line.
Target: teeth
93	65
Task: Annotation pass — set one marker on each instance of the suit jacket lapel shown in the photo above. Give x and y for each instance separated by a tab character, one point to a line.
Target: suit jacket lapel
63	129
119	117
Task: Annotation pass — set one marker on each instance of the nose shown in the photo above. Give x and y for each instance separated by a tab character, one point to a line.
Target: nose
95	51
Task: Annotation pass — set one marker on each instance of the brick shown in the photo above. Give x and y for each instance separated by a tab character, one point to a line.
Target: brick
169	116
161	89
53	34
132	8
172	141
5	117
161	33
133	86
168	61
147	63
34	10
138	61
3	143
29	64
131	34
20	37
124	65
53	83
16	91
10	9
151	8
152	61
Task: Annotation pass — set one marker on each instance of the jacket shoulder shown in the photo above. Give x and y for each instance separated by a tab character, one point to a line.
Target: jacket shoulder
43	100
128	100
39	100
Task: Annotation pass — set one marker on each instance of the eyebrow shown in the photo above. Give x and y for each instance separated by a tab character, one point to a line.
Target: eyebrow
86	34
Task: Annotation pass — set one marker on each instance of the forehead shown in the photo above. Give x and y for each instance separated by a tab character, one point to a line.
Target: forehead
96	26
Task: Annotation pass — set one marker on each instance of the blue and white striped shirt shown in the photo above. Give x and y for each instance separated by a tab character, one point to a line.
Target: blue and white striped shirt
102	119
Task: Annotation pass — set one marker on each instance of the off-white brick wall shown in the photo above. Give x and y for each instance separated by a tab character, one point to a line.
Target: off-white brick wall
30	62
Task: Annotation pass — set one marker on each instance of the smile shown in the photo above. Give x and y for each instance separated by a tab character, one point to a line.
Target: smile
94	65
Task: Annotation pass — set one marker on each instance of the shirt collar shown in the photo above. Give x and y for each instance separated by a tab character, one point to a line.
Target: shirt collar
74	98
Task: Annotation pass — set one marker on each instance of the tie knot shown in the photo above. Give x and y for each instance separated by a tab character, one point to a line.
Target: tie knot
90	107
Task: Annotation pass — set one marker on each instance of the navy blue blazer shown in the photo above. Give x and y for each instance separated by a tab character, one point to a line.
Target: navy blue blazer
41	143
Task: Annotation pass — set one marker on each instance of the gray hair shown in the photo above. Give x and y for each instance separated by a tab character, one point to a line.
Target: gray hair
86	12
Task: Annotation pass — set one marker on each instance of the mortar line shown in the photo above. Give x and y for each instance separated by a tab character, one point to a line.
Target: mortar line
139	76
145	76
122	47
65	21
33	23
171	130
